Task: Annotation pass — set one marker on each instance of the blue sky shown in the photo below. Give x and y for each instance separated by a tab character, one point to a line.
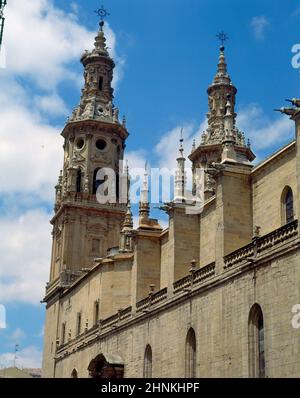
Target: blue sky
166	53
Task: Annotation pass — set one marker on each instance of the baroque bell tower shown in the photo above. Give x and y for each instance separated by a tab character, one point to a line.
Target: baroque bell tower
94	140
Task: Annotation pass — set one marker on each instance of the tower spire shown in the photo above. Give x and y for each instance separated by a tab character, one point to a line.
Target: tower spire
222	76
221	97
221	100
97	94
127	228
180	173
222	141
100	43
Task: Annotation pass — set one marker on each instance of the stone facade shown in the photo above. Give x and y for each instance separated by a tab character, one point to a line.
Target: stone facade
211	295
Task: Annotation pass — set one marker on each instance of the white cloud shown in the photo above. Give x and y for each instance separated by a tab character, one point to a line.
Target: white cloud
51	105
259	25
2	317
136	159
25	246
167	149
29	357
119	60
163	156
41	332
42	40
30	153
264	132
17	335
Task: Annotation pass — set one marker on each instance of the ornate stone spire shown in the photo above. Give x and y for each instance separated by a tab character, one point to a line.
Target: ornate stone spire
180	179
127	231
222	77
100	43
222	141
128	222
221	115
220	93
97	94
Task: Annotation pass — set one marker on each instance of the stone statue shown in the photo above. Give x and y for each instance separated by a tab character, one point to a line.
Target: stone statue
116	115
89	110
109	109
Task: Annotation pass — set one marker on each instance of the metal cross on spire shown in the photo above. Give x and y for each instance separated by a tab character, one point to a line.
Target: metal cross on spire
102	13
2	19
222	36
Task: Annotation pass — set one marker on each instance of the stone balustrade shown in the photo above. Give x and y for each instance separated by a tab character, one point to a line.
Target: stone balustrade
262	244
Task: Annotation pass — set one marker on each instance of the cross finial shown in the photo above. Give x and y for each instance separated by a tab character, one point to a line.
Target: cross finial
222	36
102	13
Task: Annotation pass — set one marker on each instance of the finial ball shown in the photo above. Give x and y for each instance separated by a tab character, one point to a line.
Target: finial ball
222	48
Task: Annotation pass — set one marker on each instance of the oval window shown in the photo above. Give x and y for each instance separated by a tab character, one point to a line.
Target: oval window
101	144
80	143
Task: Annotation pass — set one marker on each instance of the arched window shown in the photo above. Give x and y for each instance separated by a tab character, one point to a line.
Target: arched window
106	367
190	354
96	182
148	362
74	374
287	201
100	83
257	366
63	333
78	324
78	181
96	312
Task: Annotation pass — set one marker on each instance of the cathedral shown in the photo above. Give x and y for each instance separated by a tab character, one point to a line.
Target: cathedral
213	294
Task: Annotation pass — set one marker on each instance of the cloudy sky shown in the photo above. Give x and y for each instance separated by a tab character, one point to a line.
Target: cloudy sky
166	54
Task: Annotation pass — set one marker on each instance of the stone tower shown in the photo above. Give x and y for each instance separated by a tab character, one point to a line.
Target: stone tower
222	141
83	228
